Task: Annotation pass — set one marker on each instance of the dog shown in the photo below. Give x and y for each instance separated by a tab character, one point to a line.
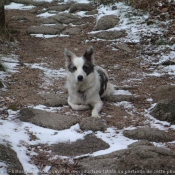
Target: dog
86	83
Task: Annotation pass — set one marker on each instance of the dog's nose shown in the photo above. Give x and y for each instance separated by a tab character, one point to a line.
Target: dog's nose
80	78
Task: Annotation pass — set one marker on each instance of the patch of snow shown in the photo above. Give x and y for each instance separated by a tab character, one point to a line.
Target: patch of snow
18	6
10	62
45	14
77	1
122	92
115	139
48	36
15	128
50	74
3	168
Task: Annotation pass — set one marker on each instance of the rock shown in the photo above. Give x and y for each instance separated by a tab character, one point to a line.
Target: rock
140	143
43	30
55	100
81	7
150	134
65	18
47	119
59	27
122	46
61	7
119	98
92	12
107	22
126	87
109	35
91	123
30	2
72	31
139	158
164	92
89	145
46	20
9	157
165	111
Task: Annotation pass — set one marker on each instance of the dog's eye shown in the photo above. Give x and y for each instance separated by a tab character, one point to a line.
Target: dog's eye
74	68
85	68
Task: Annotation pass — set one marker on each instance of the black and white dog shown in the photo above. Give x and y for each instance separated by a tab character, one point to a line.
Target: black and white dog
86	83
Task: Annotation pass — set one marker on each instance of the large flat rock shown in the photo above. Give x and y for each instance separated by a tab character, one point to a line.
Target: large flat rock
30	2
81	7
138	158
43	30
90	144
110	35
66	18
9	157
61	7
47	119
150	134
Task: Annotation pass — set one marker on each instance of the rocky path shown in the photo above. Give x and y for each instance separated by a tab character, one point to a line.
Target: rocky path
135	134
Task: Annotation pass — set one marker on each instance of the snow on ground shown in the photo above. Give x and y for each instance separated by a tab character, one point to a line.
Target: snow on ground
50	75
135	27
18	6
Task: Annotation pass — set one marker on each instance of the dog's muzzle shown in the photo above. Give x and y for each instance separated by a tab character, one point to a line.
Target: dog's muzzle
80	78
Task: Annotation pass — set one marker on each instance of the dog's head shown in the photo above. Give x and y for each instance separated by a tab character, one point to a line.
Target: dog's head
81	67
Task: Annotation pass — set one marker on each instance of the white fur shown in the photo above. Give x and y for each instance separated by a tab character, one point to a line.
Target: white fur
84	95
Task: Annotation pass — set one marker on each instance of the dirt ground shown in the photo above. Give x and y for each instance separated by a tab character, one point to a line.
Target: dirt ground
24	86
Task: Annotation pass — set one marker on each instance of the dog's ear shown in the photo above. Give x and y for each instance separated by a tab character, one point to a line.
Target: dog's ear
89	54
68	55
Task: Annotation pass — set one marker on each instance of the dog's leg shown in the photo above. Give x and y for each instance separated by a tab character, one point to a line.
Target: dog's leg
77	107
97	108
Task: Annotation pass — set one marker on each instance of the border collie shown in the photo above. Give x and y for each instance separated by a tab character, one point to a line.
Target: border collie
86	82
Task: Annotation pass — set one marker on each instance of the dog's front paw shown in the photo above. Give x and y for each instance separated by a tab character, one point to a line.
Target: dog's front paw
95	115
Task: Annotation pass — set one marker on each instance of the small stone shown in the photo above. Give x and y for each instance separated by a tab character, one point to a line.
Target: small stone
107	22
122	46
55	100
91	123
165	111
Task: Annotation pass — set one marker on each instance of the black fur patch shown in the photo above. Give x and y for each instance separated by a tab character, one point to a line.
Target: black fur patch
72	68
103	81
88	66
